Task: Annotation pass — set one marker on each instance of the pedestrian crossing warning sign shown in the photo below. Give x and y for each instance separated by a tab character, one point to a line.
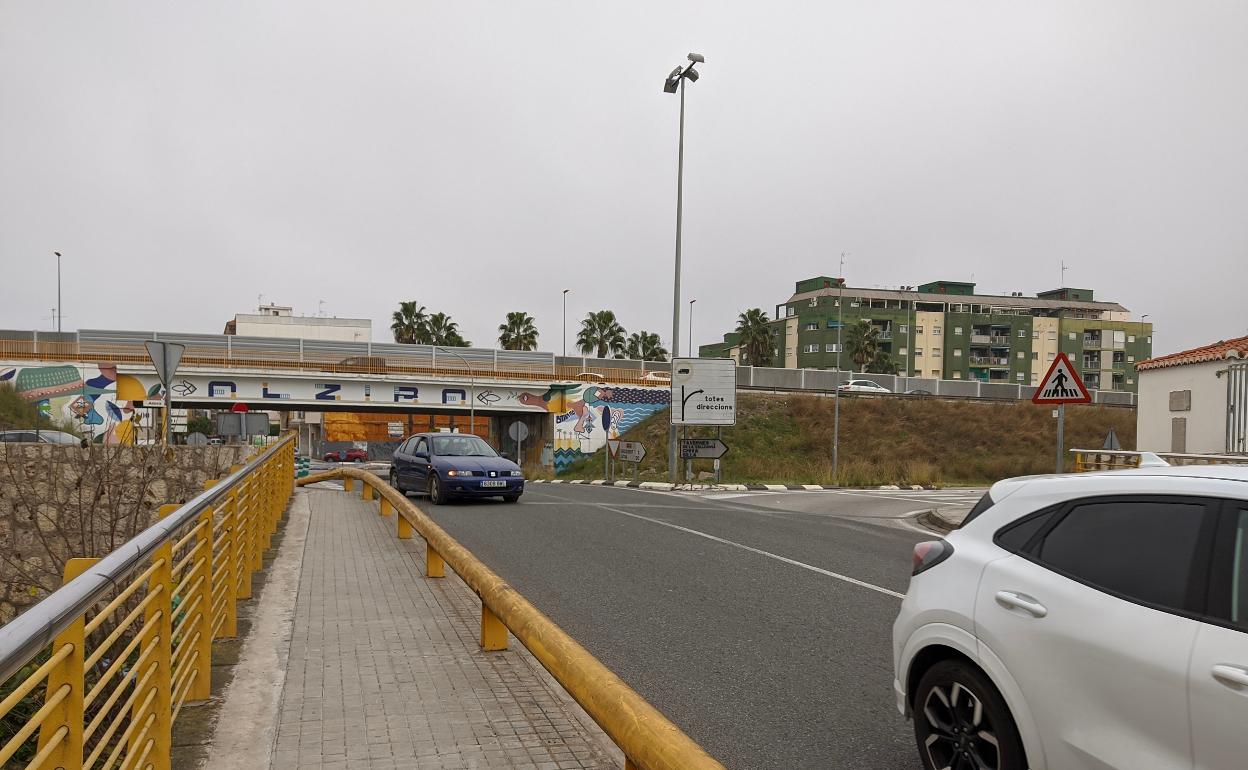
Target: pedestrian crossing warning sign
1061	385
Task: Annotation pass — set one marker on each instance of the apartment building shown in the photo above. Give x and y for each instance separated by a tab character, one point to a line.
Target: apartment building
945	330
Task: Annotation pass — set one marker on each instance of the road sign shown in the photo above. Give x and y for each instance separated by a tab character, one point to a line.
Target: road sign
394	429
165	357
613	446
518	431
631	451
1061	385
704	391
702	448
154	403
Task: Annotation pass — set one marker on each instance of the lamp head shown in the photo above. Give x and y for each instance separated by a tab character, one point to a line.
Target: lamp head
692	74
697	58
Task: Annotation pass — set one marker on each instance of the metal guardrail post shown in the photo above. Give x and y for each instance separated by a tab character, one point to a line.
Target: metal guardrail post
151	714
227	577
61	734
199	629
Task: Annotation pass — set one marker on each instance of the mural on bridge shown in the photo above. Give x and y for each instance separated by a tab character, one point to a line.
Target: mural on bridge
587	415
94	398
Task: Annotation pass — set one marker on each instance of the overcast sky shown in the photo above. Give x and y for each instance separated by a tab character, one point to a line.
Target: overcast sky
481	157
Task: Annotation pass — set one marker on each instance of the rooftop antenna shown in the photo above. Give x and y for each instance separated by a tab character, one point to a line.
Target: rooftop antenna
1063	283
320	308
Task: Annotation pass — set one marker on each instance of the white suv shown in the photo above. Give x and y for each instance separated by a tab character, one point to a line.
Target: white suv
862	386
1084	622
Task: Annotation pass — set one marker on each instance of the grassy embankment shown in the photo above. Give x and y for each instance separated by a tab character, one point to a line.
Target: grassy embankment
782	439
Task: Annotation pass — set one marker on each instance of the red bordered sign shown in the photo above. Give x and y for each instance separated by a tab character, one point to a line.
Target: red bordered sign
1062	385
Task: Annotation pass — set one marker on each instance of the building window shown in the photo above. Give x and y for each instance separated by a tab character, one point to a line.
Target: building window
1051	356
957	375
936	373
918	352
1022	333
936	330
1035	356
903	329
1072	335
918	330
1130	338
957	352
902	352
1130	358
1130	381
813	348
1149	340
935	351
831	347
1019	376
1053	335
1035	379
813	326
790	311
853	303
1035	335
1020	354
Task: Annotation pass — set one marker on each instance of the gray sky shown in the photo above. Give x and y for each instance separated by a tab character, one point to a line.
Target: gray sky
481	157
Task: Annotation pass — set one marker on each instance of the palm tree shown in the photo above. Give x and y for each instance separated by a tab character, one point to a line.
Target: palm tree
444	331
645	346
755	338
518	333
410	324
601	334
862	343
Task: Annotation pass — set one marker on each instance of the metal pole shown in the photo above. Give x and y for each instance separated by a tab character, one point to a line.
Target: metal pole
60	313
680	184
1061	437
472	390
836	396
690	351
565	322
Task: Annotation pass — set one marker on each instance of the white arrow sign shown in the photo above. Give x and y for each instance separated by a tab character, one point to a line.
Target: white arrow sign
702	448
704	391
631	451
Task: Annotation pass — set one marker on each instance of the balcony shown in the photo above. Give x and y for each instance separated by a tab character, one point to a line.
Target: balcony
1093	343
980	360
981	339
1000	340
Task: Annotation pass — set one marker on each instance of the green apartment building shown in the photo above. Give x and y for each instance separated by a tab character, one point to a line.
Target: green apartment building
944	330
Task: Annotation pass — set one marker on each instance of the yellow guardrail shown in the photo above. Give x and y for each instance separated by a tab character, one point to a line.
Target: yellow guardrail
131	634
1118	459
648	739
252	358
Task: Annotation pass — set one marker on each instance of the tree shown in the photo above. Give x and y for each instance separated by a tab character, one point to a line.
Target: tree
518	332
883	363
410	324
200	423
443	331
601	334
862	343
755	338
645	346
17	412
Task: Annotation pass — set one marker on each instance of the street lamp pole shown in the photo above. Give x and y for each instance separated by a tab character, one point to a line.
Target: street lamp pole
676	82
472	391
59	312
836	397
565	322
691	327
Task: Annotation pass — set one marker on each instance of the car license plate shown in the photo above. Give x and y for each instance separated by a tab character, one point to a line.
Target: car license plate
494	483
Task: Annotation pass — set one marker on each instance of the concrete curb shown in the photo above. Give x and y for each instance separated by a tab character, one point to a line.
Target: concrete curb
939	521
667	486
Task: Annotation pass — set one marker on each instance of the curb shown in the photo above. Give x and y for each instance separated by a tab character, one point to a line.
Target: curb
938	522
667	486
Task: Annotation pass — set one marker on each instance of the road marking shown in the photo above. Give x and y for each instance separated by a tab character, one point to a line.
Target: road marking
760	552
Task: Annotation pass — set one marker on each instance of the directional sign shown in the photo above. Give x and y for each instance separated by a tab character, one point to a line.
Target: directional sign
394	429
704	391
1061	385
631	451
702	449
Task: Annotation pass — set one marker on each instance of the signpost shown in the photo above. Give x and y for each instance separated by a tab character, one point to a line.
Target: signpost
1061	386
627	451
518	432
704	392
702	448
165	357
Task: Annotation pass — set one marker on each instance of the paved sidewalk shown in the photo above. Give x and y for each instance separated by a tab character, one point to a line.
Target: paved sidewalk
384	670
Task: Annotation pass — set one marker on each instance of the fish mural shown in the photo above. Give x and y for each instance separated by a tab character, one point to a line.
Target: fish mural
86	395
587	415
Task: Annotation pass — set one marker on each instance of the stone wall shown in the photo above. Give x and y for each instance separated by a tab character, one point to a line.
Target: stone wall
58	502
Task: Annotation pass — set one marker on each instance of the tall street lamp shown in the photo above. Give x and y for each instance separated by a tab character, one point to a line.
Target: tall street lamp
565	322
691	327
836	396
676	82
472	391
59	312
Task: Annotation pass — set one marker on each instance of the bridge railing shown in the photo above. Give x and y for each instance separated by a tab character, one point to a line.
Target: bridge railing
647	738
95	674
1118	459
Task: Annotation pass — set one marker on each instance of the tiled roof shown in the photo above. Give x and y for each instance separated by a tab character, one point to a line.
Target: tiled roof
1236	348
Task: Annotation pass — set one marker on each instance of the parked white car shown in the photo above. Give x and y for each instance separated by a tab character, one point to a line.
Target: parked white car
656	377
862	386
1084	622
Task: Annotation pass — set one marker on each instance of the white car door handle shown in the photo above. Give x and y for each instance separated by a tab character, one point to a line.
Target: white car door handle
1231	675
1021	602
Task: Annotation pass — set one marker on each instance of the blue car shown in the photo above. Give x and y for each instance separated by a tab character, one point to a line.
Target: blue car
450	465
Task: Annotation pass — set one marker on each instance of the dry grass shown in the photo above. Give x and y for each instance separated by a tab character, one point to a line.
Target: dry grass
788	439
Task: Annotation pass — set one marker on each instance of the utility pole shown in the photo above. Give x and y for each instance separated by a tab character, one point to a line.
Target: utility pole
59	311
836	396
691	327
565	322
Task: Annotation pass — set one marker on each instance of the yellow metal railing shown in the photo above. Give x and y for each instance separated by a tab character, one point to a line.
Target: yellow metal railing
252	358
648	739
1118	459
131	634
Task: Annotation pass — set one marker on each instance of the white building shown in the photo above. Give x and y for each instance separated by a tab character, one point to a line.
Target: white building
278	321
1195	401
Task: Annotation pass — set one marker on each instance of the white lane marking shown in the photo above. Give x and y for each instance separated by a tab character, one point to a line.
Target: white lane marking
760	552
728	496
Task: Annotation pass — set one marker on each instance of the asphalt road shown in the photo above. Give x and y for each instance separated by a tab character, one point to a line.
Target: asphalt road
760	624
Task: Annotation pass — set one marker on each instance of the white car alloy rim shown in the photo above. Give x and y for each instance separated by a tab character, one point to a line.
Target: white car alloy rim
961	736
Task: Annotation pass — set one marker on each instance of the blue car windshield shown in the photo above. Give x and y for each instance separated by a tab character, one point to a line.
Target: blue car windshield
461	446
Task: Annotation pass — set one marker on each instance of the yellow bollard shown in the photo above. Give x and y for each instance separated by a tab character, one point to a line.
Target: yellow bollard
69	713
385	509
493	632
435	567
368	490
348	484
404	527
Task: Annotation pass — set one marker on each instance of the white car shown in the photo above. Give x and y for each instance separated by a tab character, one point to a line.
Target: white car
1084	622
862	386
656	377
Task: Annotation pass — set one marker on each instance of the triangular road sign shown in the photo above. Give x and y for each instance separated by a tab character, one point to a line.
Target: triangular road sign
165	357
613	446
1061	385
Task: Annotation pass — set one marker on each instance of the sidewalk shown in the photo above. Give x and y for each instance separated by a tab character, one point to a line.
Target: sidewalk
379	667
